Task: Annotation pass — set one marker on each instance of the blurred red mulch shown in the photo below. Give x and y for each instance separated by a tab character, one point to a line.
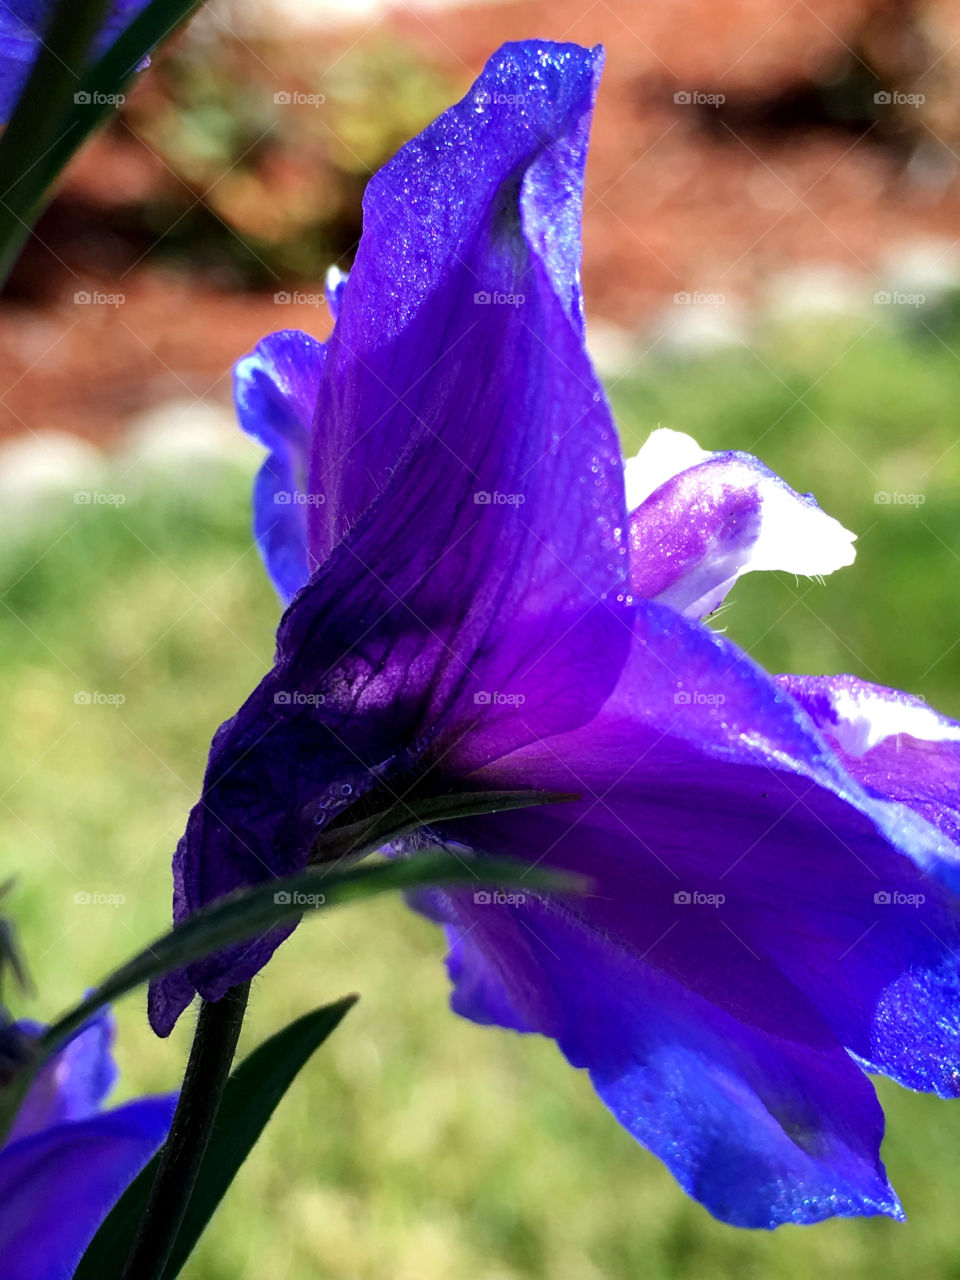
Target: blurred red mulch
798	164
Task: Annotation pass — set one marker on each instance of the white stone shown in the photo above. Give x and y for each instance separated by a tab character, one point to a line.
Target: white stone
185	440
45	469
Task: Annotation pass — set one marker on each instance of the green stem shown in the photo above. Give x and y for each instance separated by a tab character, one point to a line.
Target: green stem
215	1042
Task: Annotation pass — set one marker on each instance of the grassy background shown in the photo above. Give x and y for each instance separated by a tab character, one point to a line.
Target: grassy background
417	1145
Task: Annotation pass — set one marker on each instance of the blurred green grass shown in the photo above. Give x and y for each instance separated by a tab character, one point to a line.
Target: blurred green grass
417	1145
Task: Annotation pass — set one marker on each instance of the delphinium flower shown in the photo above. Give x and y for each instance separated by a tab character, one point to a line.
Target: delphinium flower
23	24
476	600
66	1161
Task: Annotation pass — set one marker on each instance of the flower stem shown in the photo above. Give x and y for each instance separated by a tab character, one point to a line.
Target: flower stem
215	1042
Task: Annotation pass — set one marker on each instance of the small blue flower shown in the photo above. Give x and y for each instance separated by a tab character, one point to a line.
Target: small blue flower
479	597
66	1161
23	24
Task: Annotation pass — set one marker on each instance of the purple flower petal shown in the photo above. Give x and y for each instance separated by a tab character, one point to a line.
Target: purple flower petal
468	219
74	1084
716	819
57	1186
749	1099
275	390
65	1163
701	520
472	620
436	595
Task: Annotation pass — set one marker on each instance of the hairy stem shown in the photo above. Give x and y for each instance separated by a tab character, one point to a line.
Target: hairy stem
215	1042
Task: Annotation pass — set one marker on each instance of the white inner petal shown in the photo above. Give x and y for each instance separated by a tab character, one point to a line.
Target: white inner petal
664	455
796	536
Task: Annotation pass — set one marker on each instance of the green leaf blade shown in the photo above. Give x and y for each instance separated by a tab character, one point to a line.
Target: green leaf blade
253	1092
368	834
248	913
65	100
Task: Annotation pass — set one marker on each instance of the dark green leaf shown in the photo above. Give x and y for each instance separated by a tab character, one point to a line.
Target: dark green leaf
250	1098
250	912
399	819
64	102
37	123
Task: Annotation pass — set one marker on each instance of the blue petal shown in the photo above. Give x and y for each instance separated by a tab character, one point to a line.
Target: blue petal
751	1102
275	390
56	1187
73	1085
813	865
474	515
491	188
734	852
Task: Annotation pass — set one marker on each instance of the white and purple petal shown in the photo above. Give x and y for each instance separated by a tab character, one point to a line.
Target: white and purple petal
334	284
893	743
699	521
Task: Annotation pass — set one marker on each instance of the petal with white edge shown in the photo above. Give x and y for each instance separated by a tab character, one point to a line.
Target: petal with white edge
859	716
711	517
891	742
